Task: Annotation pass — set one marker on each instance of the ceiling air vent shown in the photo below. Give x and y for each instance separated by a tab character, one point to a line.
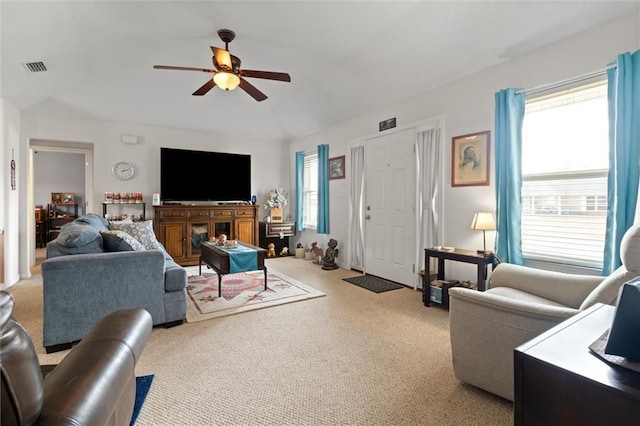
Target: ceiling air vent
34	66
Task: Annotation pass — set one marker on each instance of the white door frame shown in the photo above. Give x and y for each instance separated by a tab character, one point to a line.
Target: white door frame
420	125
63	147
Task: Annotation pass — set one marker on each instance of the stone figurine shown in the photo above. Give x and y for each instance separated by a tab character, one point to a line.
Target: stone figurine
329	259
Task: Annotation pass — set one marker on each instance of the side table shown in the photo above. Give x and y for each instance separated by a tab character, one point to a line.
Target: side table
558	381
482	260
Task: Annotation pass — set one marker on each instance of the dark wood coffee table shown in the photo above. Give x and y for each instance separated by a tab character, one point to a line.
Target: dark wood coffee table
218	260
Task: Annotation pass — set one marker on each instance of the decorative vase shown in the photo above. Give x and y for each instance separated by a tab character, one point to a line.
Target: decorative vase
308	255
276	215
299	253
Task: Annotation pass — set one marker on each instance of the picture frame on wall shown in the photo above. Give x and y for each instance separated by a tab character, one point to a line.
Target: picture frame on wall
336	167
470	158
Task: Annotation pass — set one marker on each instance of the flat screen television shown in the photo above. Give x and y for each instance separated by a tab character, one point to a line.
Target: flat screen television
187	175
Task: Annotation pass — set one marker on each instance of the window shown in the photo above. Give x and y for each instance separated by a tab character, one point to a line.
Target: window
310	210
565	152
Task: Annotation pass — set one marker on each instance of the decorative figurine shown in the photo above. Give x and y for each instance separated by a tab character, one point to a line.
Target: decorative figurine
284	251
317	253
329	259
221	239
271	252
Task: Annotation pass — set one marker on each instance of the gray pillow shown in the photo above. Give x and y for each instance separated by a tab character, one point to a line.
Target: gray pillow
141	231
74	235
120	241
97	222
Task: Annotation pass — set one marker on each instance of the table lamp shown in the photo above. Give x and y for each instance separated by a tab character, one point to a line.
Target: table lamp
483	221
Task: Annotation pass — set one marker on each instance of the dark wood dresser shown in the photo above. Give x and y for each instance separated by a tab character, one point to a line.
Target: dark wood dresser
559	381
278	234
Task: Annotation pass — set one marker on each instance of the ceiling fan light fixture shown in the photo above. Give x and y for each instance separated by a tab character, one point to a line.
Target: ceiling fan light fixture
226	80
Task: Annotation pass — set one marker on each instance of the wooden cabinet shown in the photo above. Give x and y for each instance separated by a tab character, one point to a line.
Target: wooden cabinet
181	229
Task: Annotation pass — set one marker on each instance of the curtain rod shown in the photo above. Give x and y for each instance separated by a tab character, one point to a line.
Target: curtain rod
557	84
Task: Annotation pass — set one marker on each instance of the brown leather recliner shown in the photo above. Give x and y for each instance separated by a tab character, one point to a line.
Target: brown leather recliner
93	385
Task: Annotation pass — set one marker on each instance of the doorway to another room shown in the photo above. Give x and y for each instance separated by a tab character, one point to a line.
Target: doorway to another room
57	171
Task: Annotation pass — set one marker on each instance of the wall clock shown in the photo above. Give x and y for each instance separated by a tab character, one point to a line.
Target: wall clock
123	170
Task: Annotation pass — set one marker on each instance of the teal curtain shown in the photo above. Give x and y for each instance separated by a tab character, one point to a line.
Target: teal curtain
508	167
323	189
299	190
624	141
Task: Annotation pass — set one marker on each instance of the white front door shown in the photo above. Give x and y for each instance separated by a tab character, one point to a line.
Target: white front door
390	206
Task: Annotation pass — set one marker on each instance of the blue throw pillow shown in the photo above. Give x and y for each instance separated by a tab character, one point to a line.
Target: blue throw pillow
96	222
74	235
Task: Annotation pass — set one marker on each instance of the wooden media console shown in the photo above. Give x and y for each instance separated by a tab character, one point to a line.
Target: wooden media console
181	229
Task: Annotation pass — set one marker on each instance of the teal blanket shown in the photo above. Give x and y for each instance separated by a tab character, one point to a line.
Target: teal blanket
241	258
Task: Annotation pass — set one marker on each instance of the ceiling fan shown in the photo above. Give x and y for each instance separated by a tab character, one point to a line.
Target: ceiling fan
227	73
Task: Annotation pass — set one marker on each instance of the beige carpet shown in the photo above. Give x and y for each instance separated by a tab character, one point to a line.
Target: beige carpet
353	357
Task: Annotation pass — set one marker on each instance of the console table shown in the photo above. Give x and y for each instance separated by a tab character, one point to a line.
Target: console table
457	255
125	205
558	381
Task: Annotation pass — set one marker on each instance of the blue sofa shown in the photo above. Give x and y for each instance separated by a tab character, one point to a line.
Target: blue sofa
92	270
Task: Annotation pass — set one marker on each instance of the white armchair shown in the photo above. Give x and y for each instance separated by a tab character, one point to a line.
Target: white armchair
521	303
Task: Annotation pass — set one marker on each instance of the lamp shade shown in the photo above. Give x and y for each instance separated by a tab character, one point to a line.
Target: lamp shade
483	221
226	80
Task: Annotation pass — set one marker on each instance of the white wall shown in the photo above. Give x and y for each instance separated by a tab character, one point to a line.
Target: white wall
9	211
58	172
467	106
266	156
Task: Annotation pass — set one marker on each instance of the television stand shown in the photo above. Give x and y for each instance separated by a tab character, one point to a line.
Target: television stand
181	228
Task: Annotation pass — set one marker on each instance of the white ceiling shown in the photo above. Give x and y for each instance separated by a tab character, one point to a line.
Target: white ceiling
344	58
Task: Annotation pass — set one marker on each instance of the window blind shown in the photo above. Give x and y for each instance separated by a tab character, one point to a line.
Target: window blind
564	181
310	219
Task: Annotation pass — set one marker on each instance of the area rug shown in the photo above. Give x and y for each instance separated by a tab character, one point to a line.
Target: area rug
242	292
143	384
373	283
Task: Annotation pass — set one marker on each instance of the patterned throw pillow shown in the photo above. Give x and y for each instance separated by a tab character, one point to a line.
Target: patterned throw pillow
120	241
141	231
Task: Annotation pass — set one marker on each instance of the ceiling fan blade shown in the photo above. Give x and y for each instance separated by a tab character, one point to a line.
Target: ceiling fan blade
269	75
170	67
205	88
252	90
221	58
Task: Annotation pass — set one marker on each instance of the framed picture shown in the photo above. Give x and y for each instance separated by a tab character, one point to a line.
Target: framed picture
470	159
336	167
57	197
69	198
